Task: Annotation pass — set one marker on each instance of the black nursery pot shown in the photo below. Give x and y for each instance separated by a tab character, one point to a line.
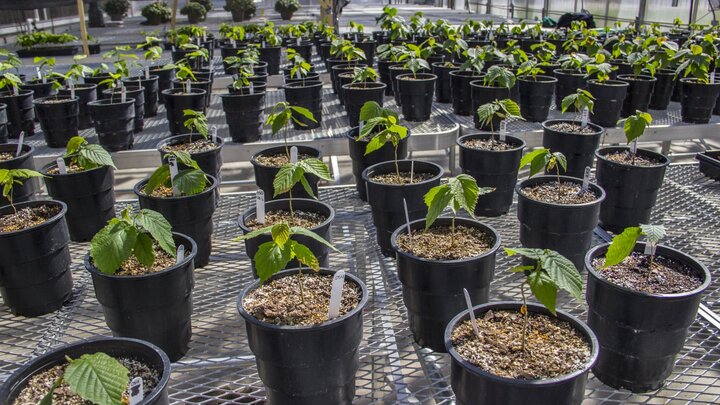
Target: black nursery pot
386	200
307	365
114	123
443	85
335	72
368	47
271	56
150	92
20	192
35	276
663	89
89	198
165	77
384	74
698	100
395	71
189	215
264	175
497	169
568	83
361	161
462	102
39	89
176	102
579	149
58	117
474	386
243	113
20	113
144	352
160	303
320	250
481	94
357	94
709	164
609	98
433	289
631	190
205	85
308	95
639	92
640	334
3	124
565	228
535	97
416	93
210	162
96	81
85	93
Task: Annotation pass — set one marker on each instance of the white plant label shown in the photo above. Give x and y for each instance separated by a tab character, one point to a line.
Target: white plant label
172	162
204	37
20	143
712	77
260	207
361	124
15	90
633	147
336	294
356	38
173	48
293	154
213	133
188	85
136	391
263	43
407	221
197	41
180	254
491	36
147	72
252	87
297	41
412	170
44	79
297	74
62	168
38	72
123	94
586	180
585	117
473	321
233	42
503	130
649	249
71	86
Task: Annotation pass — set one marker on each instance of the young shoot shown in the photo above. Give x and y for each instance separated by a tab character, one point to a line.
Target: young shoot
196	121
77	69
381	125
634	127
695	62
551	272
282	114
11	177
300	67
498	76
416	65
458	193
9	80
79	152
189	181
581	100
540	159
293	173
97	378
501	109
600	69
623	244
364	75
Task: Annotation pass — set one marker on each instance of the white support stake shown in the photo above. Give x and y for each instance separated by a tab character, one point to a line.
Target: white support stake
412	170
172	162
62	168
188	86
503	130
293	154
473	321
38	73
20	143
633	146
71	86
649	249
123	94
213	133
233	42
336	294
586	181
252	87
147	72
297	41
180	254
585	117
407	221
136	391
260	207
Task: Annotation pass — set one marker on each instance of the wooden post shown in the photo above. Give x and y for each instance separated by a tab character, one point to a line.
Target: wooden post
174	13
83	29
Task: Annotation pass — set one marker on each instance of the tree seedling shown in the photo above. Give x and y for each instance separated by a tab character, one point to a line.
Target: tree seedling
458	193
300	67
364	75
581	100
551	272
498	76
380	126
190	181
85	155
77	69
291	174
11	177
132	234
634	127
695	62
282	114
8	80
540	159
96	378
196	121
502	109
623	244
600	69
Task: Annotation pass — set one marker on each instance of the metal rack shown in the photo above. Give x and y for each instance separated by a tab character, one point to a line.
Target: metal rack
220	368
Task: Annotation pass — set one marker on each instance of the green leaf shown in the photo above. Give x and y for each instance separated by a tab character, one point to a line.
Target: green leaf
621	246
298	230
562	272
98	378
74	144
280	233
654	233
47	399
97	155
437	199
543	289
190	182
160	176
531	156
111	246
304	112
286	178
530	253
271	258
306	187
537	164
185	158
486	112
317	167
521	269
159	228
305	255
465	192
375	143
635	125
143	250
253	234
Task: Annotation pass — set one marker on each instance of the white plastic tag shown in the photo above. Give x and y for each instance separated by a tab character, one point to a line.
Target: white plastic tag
503	130
585	117
44	79
361	124
71	86
473	321
586	180
649	249
263	43
213	133
260	207
123	94
407	222
712	77
173	48
356	38
62	169
197	41
147	72
412	170
204	37
15	90
38	72
491	36
336	294
633	147
233	42
293	154
252	87
180	254
188	86
136	391
172	162
20	143
297	41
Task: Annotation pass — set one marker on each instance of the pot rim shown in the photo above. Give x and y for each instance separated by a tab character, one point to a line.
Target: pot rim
253	158
551	178
44	170
62	98
378	85
439	65
134	79
459	141
251	211
48	222
598	129
639	78
219	140
23	151
533	79
467	73
210	189
441	172
180	92
232	95
479	84
599	154
430	77
609	83
83	86
308	84
109	102
21	93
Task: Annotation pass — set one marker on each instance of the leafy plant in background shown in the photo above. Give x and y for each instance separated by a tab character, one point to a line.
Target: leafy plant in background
195	12
344	49
634	127
190	181
381	125
44	38
77	69
502	109
695	63
11	177
391	52
85	155
544	52
599	69
97	378
551	272
623	244
530	68
153	52
131	235
46	67
499	76
281	115
364	75
300	67
196	121
8	79
291	174
158	11
242	78
581	100
121	56
474	60
540	159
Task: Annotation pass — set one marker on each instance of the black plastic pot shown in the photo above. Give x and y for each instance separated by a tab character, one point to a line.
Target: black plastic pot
264	175
310	76
367	46
568	82
335	72
344	78
536	96
160	303
609	97
663	89
150	92
204	85
357	94
565	228
39	89
96	81
579	149
246	90
631	190
320	250
461	91
308	95
307	365
474	386
384	73
698	100
20	113
89	198
395	71
145	352
114	123
3	124
497	169
639	92
244	115
137	94
304	49
35	276
386	200
85	94
443	85
20	193
481	94
176	102
361	161
709	164
165	77
433	289
416	93
271	56
640	334
210	162
227	51
58	116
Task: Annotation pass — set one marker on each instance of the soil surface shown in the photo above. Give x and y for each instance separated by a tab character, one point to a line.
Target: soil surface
40	384
392	178
566	193
572	128
72	168
278	160
280	301
27	217
437	243
666	276
132	267
487	144
164	192
55	100
553	347
6	156
626	158
197	146
305	219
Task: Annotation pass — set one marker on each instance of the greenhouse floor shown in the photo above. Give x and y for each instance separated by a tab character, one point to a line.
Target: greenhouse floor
220	368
